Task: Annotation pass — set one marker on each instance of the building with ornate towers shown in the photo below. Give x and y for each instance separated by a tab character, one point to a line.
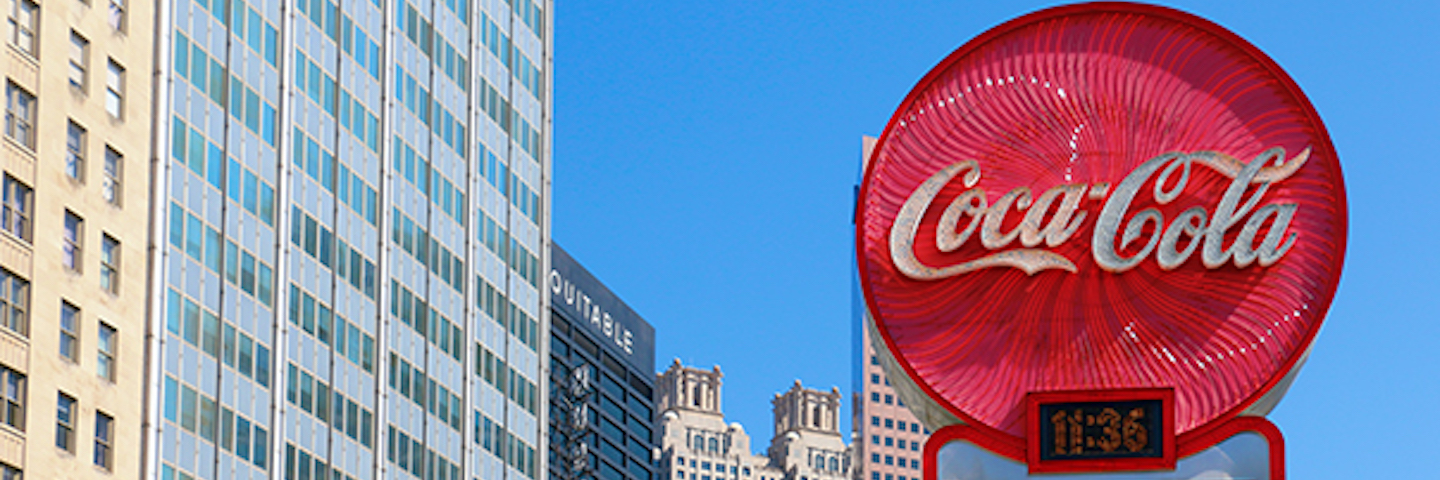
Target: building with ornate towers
697	444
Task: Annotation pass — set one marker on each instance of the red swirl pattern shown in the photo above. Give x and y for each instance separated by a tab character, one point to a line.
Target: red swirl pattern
1083	94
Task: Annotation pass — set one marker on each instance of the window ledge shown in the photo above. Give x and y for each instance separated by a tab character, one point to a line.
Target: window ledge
19	160
23	55
16	255
30	60
14	350
12	446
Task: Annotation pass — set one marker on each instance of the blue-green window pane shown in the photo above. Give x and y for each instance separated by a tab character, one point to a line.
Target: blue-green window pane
262	365
182	56
172	307
261	445
294	304
213	251
252	110
312	158
237	14
177	139
217	82
329	92
237	98
188	399
267	204
232	261
215	162
192	322
327	171
172	399
325	252
247	273
342	184
263	289
177	226
307	313
242	437
370	205
251	202
199	67
267	122
313	85
296	226
256	37
234	174
270	44
245	362
194	235
196	157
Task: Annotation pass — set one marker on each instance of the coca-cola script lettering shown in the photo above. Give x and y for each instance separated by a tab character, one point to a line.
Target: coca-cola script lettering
970	214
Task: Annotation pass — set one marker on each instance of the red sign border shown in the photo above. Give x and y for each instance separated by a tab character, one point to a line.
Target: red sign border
1166	461
1186	445
1000	440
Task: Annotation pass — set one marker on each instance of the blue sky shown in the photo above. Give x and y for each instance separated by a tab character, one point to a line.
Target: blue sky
705	153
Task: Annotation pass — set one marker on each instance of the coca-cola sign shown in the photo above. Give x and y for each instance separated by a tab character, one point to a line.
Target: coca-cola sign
1101	196
1195	226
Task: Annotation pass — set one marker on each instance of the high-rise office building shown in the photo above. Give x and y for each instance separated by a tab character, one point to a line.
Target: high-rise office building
602	363
74	155
351	220
888	440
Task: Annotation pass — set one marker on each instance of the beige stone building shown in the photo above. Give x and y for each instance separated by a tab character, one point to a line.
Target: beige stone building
697	443
76	160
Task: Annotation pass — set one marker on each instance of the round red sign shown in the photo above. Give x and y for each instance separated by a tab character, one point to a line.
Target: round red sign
1101	196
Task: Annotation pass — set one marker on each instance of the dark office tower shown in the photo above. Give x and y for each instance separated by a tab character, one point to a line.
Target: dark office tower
602	364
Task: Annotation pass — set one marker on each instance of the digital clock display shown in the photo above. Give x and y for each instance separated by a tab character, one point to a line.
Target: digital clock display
1101	430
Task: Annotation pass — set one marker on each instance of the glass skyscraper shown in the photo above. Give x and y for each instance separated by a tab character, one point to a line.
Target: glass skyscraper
351	219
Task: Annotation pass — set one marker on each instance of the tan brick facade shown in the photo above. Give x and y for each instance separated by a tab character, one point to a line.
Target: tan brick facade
111	205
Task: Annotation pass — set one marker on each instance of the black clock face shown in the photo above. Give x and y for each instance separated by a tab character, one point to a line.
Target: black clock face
1101	430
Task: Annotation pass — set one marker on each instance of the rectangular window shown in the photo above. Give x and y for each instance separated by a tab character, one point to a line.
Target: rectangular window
105	352
75	151
72	240
13	384
14	302
104	438
114	89
110	264
117	15
79	58
24	20
16	215
110	185
8	472
69	331
65	423
20	113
